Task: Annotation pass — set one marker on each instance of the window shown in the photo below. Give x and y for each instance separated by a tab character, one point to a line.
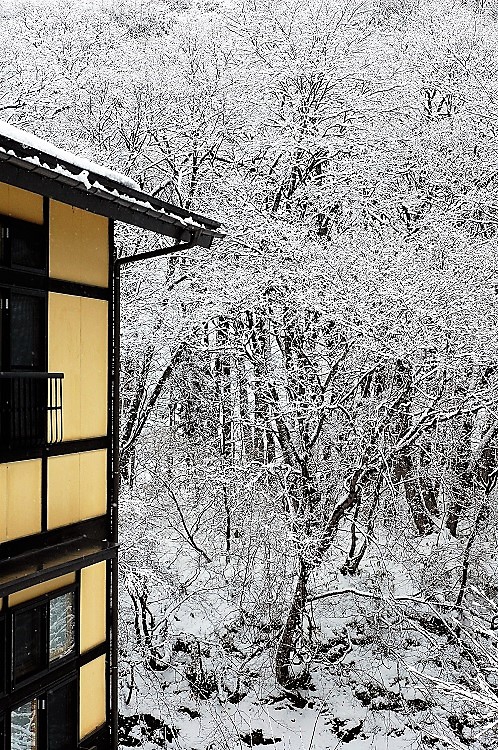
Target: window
23	387
29	651
42	672
43	635
24	726
27	331
22	245
62	731
47	722
23	398
62	626
22	330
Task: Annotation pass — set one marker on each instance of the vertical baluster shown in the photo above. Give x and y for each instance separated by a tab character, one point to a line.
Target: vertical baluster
60	411
53	401
51	407
57	398
48	411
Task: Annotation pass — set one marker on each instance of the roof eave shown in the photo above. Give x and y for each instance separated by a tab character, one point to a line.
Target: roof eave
38	179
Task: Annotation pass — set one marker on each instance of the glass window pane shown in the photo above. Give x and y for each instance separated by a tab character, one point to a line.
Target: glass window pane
27	325
61	718
62	623
26	246
29	642
23	729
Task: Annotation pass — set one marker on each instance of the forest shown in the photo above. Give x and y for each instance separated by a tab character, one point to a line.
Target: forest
309	447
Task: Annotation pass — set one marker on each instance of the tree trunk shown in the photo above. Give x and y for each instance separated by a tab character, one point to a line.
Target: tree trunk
292	628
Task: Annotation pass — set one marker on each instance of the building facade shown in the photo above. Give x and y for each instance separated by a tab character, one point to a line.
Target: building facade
59	465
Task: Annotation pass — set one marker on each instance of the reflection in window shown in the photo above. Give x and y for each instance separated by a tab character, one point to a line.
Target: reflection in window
23	727
62	626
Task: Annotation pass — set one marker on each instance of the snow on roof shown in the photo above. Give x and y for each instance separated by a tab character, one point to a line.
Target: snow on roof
29	160
60	154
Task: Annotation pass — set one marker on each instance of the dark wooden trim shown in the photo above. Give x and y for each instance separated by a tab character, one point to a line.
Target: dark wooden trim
114	495
61	286
44	493
41	282
78	446
97	740
111	513
56	449
94	653
71	566
92	528
20	454
110	379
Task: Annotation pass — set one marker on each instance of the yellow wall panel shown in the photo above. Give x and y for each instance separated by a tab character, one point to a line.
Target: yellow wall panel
20	499
64	353
41	588
79	245
77	487
3	502
93	484
63	490
21	204
93	606
92	696
93	367
77	346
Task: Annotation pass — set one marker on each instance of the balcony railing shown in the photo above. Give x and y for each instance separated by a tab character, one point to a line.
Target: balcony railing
30	409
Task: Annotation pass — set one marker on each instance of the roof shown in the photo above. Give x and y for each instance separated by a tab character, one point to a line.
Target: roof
31	163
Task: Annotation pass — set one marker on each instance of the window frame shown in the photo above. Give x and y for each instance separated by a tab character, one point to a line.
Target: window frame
9	224
6	292
41	698
13	683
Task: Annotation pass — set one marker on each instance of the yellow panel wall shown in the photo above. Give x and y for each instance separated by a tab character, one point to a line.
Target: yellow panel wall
20	204
79	245
93	606
20	499
77	487
92	696
41	588
94	341
77	346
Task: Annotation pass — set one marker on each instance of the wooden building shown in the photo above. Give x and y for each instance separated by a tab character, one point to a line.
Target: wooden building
59	354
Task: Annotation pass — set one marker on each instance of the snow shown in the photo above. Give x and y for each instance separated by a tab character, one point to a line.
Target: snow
85	165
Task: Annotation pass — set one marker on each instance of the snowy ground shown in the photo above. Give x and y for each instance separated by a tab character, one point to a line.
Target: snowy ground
381	677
